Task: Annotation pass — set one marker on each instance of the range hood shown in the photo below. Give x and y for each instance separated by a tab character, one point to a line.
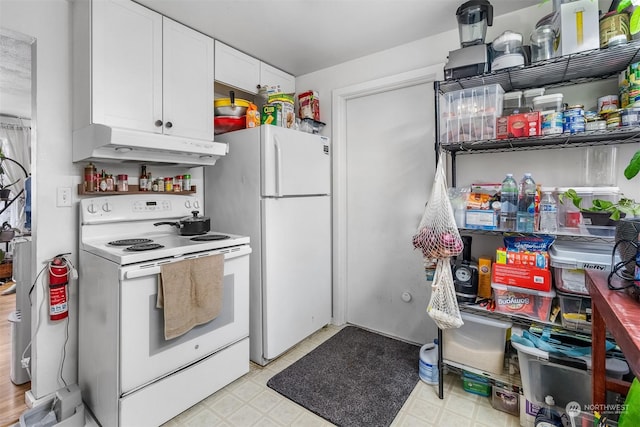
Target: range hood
100	143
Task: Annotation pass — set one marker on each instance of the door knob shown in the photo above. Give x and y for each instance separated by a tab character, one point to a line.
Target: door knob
168	125
158	123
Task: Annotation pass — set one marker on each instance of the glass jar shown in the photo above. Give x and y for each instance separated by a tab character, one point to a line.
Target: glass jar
177	183
186	182
123	183
168	183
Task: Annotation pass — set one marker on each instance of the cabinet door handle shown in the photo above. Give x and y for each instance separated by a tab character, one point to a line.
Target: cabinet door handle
158	123
168	125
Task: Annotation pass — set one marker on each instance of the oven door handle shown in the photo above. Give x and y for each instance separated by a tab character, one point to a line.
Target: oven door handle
134	274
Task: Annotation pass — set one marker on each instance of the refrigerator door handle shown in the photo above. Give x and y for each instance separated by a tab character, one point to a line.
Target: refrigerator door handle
278	166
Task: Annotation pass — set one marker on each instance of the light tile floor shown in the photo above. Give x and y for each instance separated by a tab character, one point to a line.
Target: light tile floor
249	402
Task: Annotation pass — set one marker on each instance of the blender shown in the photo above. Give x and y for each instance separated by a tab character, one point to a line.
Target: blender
472	58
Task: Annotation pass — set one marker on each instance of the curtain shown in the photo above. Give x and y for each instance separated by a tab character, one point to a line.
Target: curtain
15	142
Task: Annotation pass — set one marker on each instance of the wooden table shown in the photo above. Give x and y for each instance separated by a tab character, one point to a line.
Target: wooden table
617	312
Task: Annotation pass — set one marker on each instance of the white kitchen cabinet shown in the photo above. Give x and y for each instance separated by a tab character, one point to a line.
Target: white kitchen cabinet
271	76
236	69
239	70
135	69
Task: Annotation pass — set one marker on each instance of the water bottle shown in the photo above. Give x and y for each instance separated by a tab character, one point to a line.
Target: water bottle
526	205
508	203
548	213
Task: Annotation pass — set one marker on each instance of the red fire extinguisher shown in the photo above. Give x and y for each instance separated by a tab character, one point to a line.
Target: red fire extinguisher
58	283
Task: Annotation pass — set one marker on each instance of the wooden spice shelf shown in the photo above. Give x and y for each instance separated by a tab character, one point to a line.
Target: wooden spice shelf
133	189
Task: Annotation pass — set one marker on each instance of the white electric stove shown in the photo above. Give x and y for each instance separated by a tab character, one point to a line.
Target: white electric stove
129	374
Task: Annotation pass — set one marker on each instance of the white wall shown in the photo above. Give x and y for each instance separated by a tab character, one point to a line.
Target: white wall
54	228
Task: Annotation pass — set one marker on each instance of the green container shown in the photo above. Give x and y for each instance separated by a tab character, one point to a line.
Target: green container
476	384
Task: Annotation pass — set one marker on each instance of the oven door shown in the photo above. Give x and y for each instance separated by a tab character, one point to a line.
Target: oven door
144	353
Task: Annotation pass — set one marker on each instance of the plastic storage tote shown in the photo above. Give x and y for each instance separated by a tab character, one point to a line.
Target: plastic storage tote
523	302
543	376
570	259
575	310
470	114
552	102
479	343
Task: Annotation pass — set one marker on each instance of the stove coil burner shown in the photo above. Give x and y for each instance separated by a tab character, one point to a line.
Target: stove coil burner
129	242
144	247
209	237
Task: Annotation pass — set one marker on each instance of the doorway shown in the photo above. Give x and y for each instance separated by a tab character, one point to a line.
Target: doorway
384	162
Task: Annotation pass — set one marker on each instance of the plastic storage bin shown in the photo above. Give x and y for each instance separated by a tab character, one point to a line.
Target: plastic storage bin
505	399
575	310
568	214
542	377
523	302
570	259
479	343
472	383
470	114
551	102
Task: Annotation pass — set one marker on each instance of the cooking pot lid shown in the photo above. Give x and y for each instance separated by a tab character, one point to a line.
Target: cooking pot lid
195	218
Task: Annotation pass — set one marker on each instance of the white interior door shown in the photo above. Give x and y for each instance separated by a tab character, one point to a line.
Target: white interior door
296	270
390	163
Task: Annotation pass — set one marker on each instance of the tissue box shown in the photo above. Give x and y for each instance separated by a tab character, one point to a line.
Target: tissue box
579	26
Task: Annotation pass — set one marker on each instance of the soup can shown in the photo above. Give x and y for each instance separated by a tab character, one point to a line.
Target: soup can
607	103
614	29
573	119
630	117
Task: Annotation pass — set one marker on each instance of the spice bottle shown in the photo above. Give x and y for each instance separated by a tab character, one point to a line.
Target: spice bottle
168	184
90	178
142	181
186	183
123	183
110	184
103	181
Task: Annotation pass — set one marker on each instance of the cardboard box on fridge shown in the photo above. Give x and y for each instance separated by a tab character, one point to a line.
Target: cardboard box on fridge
538	279
579	26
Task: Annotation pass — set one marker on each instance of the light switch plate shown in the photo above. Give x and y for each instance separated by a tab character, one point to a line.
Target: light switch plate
63	198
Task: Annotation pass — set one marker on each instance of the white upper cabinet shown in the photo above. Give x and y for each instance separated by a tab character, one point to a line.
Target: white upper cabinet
239	70
271	76
187	82
147	73
236	69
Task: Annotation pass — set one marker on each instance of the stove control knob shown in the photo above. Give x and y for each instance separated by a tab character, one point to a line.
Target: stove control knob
106	207
92	208
187	204
196	204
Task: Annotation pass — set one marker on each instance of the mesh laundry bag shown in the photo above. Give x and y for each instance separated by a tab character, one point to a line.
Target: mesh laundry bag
438	235
443	306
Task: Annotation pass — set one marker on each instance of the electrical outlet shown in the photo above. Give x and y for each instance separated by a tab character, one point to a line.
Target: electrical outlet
63	197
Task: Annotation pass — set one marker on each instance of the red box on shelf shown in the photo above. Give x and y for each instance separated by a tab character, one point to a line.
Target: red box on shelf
538	279
524	125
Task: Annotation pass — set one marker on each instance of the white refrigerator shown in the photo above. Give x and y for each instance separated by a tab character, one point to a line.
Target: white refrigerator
274	186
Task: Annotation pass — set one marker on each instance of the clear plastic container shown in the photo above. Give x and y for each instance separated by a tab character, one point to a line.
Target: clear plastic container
480	343
548	102
523	302
470	114
575	310
529	94
513	99
599	165
569	261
